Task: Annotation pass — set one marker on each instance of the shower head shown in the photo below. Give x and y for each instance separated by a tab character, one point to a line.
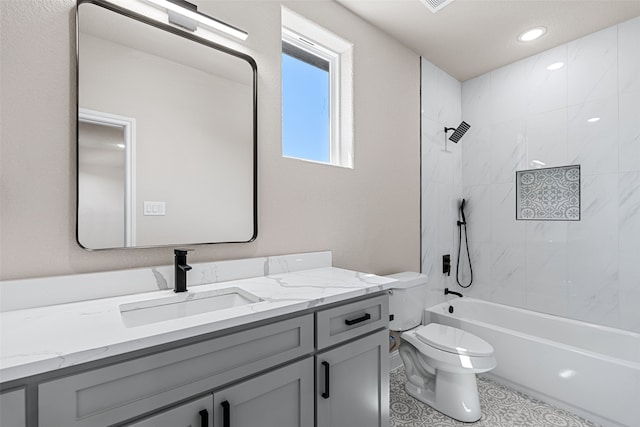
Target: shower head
458	132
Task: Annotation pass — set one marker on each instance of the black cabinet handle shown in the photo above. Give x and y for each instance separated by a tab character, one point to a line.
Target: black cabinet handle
226	414
325	394
204	418
367	316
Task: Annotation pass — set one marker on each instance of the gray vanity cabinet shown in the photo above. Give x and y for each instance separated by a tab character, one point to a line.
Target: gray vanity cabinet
193	414
352	383
272	375
352	367
281	398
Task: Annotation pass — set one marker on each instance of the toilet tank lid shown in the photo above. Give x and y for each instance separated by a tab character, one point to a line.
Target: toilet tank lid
408	279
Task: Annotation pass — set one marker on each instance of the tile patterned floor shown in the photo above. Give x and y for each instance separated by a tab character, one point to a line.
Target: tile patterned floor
501	407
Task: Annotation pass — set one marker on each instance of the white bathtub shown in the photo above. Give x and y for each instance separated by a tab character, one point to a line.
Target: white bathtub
591	370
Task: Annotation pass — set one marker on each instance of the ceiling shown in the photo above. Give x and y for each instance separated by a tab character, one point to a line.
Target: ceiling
470	37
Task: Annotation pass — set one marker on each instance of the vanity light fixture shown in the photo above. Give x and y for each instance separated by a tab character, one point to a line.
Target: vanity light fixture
188	11
593	119
532	34
555	66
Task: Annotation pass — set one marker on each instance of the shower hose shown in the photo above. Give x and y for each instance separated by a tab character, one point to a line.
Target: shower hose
461	224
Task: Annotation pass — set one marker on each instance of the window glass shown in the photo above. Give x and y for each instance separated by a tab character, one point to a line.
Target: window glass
305	105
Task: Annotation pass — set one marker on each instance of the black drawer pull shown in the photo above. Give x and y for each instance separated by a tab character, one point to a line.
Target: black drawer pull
204	418
226	414
367	316
325	393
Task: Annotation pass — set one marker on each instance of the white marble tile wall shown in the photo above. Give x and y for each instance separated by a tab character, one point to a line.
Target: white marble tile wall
524	116
629	173
441	175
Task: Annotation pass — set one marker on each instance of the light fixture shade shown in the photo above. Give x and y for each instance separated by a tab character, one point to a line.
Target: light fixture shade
202	19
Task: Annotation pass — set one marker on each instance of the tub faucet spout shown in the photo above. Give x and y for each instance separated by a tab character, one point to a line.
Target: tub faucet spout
447	292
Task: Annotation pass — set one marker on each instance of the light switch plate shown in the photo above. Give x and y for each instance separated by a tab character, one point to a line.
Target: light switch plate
154	208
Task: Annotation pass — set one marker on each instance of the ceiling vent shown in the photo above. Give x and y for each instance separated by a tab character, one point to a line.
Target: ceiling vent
435	5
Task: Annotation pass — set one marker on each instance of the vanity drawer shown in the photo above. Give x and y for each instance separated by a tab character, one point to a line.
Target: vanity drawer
349	321
115	393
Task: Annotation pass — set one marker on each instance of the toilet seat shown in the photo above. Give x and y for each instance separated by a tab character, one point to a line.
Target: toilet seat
450	359
453	340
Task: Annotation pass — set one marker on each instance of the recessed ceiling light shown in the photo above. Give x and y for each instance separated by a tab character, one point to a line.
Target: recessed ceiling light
555	66
532	34
593	119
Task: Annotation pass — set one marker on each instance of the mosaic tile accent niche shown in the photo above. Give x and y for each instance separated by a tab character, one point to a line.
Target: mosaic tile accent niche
548	194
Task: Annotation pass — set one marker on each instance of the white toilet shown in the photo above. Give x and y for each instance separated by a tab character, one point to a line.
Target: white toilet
441	362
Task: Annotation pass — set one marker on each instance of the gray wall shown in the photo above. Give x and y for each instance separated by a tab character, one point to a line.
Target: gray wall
368	217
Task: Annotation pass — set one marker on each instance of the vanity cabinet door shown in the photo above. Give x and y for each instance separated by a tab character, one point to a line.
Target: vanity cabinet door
280	398
352	383
193	414
12	409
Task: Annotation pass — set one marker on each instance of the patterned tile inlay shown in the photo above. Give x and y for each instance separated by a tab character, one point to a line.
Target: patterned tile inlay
501	407
548	194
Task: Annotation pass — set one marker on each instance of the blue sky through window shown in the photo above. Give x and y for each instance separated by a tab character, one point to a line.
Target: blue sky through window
305	110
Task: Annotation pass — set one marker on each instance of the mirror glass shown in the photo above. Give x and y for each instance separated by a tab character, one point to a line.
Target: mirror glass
166	135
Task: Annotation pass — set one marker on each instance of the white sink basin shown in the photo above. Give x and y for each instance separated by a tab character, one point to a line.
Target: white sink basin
184	304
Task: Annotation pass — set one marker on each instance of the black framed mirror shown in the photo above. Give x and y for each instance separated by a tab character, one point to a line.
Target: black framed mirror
167	134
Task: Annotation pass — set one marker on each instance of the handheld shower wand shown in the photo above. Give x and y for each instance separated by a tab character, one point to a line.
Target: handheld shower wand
463	223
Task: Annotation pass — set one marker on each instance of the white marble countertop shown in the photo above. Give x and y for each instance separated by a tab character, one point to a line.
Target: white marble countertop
42	339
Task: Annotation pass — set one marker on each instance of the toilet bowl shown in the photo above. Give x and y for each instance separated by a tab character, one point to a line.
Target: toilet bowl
441	362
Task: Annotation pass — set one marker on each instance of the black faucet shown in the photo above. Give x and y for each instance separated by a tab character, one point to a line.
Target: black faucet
447	292
181	268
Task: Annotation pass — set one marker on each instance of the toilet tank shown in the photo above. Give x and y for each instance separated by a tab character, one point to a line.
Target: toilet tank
407	300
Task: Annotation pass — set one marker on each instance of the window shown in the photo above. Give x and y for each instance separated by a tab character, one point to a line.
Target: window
316	94
306	98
